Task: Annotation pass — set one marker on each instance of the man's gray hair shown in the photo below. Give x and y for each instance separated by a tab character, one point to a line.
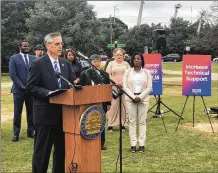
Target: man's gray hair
48	38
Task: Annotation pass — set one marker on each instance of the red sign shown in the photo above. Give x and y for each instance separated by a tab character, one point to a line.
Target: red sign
196	75
154	64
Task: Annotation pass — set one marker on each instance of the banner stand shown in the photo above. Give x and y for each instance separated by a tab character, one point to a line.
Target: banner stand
158	112
194	111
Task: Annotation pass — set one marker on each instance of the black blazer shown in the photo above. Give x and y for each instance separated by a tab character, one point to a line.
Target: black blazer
90	74
41	79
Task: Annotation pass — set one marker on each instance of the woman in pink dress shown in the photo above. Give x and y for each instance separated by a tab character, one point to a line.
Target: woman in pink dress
116	71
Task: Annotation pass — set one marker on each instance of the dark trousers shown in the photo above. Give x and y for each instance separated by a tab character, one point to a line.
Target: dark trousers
103	137
104	107
19	100
45	138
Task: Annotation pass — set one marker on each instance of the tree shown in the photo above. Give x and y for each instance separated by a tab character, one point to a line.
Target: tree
13	16
138	37
118	29
179	32
212	15
74	19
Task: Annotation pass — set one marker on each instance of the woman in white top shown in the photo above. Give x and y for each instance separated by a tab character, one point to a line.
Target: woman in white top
137	82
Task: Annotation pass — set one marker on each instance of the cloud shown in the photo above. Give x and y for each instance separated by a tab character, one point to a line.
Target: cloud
153	11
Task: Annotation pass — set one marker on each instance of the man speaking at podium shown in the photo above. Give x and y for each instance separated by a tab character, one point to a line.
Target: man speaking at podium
90	77
47	117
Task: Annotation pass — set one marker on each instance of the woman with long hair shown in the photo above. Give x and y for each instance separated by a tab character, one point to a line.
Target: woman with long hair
70	55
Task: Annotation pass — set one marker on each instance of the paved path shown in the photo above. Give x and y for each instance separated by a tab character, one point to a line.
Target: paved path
172	79
214	75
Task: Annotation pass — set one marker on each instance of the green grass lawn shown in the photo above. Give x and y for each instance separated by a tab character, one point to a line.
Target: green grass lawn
178	66
187	150
165	66
5	77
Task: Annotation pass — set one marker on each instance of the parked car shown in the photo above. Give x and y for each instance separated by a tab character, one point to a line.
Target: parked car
171	57
215	60
104	57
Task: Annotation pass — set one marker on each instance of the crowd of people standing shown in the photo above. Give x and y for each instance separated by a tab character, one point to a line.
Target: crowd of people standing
33	76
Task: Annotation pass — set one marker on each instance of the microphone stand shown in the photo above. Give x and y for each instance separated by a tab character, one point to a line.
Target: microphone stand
77	87
120	93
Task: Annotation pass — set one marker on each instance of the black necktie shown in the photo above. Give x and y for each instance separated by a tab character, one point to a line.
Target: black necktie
26	61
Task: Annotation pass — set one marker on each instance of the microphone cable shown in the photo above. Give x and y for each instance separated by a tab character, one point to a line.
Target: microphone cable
74	166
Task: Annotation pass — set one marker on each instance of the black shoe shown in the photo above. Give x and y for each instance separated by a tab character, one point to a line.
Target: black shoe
103	147
31	135
110	129
141	149
15	139
133	149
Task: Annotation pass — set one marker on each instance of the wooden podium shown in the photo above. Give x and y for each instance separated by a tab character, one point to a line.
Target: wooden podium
86	153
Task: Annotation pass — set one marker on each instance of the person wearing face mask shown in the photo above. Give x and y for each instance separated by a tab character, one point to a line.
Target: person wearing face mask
137	82
116	70
18	70
70	55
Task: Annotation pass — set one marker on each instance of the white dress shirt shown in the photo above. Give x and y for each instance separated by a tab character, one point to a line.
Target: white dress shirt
138	81
27	56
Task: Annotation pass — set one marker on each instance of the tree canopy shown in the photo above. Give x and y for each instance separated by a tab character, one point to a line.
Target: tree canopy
80	28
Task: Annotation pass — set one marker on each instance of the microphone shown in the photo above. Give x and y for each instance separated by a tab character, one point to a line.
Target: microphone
83	56
58	75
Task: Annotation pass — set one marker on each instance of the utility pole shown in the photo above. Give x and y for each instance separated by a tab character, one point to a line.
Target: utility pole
200	22
191	14
146	49
115	8
177	7
140	14
111	31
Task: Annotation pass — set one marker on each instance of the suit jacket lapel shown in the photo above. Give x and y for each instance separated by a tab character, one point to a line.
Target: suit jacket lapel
88	77
50	68
22	61
30	59
131	77
63	72
62	67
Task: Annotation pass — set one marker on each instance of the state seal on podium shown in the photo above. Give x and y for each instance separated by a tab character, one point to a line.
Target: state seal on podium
92	122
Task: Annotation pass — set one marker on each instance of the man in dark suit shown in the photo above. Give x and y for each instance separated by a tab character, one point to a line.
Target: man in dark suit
89	77
18	69
46	116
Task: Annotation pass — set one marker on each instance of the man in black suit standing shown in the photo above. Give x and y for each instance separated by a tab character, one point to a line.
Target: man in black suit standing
48	117
90	77
18	69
